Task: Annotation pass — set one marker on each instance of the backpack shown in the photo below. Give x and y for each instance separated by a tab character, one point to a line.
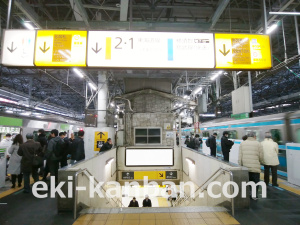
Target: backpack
207	142
59	149
191	144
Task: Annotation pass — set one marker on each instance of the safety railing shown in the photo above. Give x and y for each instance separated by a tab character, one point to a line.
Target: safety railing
204	186
114	202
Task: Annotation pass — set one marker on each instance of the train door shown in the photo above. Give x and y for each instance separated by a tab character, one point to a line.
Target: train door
298	135
257	131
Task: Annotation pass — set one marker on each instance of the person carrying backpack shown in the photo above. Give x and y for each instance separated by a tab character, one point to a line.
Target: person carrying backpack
77	148
54	153
211	142
198	142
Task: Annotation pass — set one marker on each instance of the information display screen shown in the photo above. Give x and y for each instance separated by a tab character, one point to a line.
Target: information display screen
149	157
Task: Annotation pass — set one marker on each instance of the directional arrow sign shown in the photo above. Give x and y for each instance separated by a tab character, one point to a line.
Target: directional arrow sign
224	50
12	48
44	50
161	175
97	50
99	139
18	47
101	134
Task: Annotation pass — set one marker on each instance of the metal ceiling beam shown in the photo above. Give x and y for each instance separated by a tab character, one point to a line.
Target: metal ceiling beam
124	10
222	6
29	12
80	12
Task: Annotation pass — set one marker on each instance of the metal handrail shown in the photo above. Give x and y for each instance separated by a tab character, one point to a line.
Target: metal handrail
85	171
181	200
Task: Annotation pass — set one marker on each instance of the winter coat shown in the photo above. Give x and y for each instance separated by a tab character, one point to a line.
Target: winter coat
213	143
15	160
198	142
43	141
51	147
147	203
270	149
6	143
251	155
27	151
77	149
133	204
226	144
105	147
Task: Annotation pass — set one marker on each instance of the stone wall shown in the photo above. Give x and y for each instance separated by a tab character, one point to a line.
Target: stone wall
150	111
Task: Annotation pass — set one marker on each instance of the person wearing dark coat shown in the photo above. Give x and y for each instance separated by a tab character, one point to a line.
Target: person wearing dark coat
147	202
133	203
77	148
213	144
226	145
106	146
43	141
27	151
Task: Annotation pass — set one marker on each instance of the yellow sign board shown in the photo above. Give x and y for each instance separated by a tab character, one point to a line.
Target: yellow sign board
152	175
100	139
60	48
242	51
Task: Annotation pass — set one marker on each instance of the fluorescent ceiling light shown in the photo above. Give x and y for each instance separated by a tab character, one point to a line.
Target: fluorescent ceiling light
216	75
92	86
207	115
8	101
112	104
272	28
198	90
78	72
28	25
25	113
238	72
9	111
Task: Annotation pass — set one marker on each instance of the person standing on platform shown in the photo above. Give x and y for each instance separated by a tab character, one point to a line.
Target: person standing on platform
7	142
133	203
270	161
64	149
107	145
226	145
211	142
14	167
198	141
43	141
251	156
147	202
51	154
77	148
27	151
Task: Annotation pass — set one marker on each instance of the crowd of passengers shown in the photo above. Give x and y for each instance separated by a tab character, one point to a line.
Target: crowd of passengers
252	154
43	156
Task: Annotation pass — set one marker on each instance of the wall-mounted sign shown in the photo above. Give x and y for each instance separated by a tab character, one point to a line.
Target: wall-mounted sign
167	126
127	175
171	174
243	51
152	175
117	49
60	48
18	47
100	138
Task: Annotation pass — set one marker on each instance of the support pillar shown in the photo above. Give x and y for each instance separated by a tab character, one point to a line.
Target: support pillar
179	128
250	90
234	77
218	87
265	21
297	35
8	21
102	99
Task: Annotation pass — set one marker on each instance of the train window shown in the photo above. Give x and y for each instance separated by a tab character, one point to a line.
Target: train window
298	136
233	134
205	134
147	135
276	136
257	134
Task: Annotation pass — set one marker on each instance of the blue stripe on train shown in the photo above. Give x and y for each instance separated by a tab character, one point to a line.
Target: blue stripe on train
268	123
293	148
295	121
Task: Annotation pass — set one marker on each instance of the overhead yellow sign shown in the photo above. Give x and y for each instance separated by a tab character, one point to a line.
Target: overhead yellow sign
60	48
100	138
152	175
242	51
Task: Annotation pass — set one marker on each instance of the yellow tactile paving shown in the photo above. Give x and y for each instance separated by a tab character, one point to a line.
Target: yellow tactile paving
193	215
196	222
202	218
163	202
13	190
177	216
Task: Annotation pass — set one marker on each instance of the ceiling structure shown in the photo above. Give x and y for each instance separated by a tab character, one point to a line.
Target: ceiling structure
64	93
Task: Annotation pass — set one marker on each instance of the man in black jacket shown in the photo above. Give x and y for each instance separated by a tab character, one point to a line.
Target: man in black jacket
133	203
226	145
77	148
106	146
147	202
27	151
213	144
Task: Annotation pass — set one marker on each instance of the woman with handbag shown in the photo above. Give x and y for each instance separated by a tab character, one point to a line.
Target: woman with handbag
14	168
31	153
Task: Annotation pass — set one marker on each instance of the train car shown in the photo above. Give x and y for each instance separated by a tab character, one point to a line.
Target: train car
284	127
